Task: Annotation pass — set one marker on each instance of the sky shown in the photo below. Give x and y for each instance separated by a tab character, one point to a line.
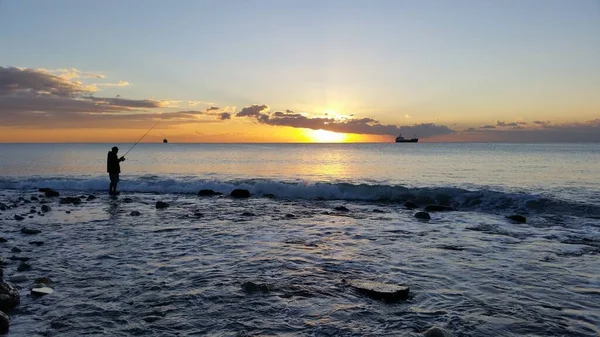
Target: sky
300	71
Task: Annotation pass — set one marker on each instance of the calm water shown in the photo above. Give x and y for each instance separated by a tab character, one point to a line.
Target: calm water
179	271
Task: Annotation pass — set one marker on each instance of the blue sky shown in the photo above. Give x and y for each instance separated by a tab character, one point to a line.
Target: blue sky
464	63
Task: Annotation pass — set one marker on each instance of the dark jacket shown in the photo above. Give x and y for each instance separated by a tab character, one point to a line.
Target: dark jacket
112	163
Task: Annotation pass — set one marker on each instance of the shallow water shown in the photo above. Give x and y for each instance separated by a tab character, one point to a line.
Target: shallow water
171	273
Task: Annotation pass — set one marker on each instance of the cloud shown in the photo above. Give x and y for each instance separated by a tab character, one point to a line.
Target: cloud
253	111
503	124
407	116
540	131
194	103
367	126
224	116
118	84
38	82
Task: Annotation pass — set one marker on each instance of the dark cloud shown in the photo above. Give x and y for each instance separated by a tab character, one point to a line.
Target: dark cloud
503	124
253	111
347	125
129	103
487	127
224	116
17	80
212	108
543	131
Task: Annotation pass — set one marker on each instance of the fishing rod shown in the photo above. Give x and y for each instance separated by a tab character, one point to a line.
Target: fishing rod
139	140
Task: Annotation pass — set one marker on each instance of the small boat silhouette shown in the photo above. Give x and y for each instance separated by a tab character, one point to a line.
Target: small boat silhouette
165	141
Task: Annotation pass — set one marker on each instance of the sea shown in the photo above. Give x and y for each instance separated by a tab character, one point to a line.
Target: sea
279	263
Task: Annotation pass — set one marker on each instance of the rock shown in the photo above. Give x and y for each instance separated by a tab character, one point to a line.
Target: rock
3	239
49	193
26	230
4	323
43	280
24	266
68	212
290	215
34	198
380	291
437	332
3	207
269	195
251	287
127	200
135	213
32	211
16	250
198	214
342	209
423	216
19	258
70	200
517	218
239	193
40	290
18	217
161	204
9	295
36	243
439	208
378	211
410	205
30	217
208	193
248	214
91	197
46	208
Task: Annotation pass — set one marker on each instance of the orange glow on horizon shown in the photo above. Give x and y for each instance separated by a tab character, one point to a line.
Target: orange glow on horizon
324	136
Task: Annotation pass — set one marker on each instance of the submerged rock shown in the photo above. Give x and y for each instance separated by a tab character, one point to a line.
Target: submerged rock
342	209
161	204
36	243
251	287
16	250
70	200
49	193
437	332
24	266
18	217
3	207
29	231
380	291
423	216
135	213
34	198
248	214
91	197
46	208
377	210
3	239
208	193
517	218
269	195
198	214
290	216
240	193
439	208
410	205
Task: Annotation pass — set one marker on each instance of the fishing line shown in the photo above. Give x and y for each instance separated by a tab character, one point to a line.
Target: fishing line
141	138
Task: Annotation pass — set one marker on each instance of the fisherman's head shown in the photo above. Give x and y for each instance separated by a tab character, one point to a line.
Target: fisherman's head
115	149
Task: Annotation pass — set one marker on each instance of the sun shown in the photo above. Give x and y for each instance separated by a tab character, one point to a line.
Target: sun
324	136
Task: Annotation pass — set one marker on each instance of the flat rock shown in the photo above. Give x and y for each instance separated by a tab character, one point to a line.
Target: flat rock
240	193
380	291
161	204
18	278
423	216
439	208
29	231
208	193
517	218
41	291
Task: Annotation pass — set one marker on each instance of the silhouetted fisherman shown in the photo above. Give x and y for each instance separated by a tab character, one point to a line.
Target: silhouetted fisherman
113	168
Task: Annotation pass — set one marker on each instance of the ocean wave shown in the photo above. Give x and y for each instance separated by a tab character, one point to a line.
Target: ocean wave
479	199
